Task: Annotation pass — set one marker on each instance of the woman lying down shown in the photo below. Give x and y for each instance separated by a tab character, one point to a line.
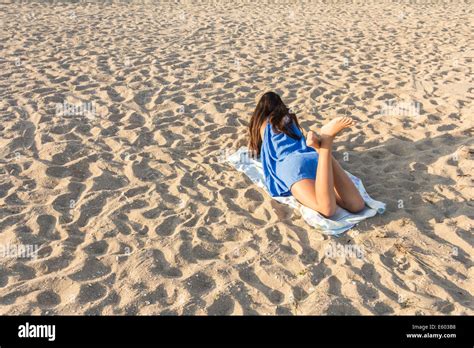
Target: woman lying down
304	168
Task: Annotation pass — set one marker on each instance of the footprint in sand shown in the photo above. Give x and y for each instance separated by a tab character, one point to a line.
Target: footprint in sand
48	299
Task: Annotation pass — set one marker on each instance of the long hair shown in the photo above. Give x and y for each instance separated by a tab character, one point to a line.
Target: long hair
271	107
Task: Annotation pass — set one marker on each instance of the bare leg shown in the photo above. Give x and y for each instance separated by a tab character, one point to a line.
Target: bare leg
347	194
324	185
322	197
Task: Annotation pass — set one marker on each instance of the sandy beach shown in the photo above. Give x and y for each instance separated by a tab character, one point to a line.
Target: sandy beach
116	119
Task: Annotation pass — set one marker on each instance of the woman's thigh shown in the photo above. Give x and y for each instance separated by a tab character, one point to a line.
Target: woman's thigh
305	192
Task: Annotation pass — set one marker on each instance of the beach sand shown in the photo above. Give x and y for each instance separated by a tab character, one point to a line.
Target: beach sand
115	119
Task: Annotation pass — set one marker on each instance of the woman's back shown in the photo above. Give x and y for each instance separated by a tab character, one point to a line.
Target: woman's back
286	159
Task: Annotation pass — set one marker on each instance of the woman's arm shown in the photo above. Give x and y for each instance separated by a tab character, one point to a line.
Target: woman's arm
262	129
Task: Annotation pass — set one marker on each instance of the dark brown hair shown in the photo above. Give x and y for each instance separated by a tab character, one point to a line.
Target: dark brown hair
271	107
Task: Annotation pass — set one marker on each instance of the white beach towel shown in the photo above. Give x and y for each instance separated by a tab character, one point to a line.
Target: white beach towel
339	223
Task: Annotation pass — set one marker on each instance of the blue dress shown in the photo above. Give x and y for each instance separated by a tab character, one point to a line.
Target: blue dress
286	160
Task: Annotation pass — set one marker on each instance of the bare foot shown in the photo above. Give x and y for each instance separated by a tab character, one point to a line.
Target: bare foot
331	129
312	140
